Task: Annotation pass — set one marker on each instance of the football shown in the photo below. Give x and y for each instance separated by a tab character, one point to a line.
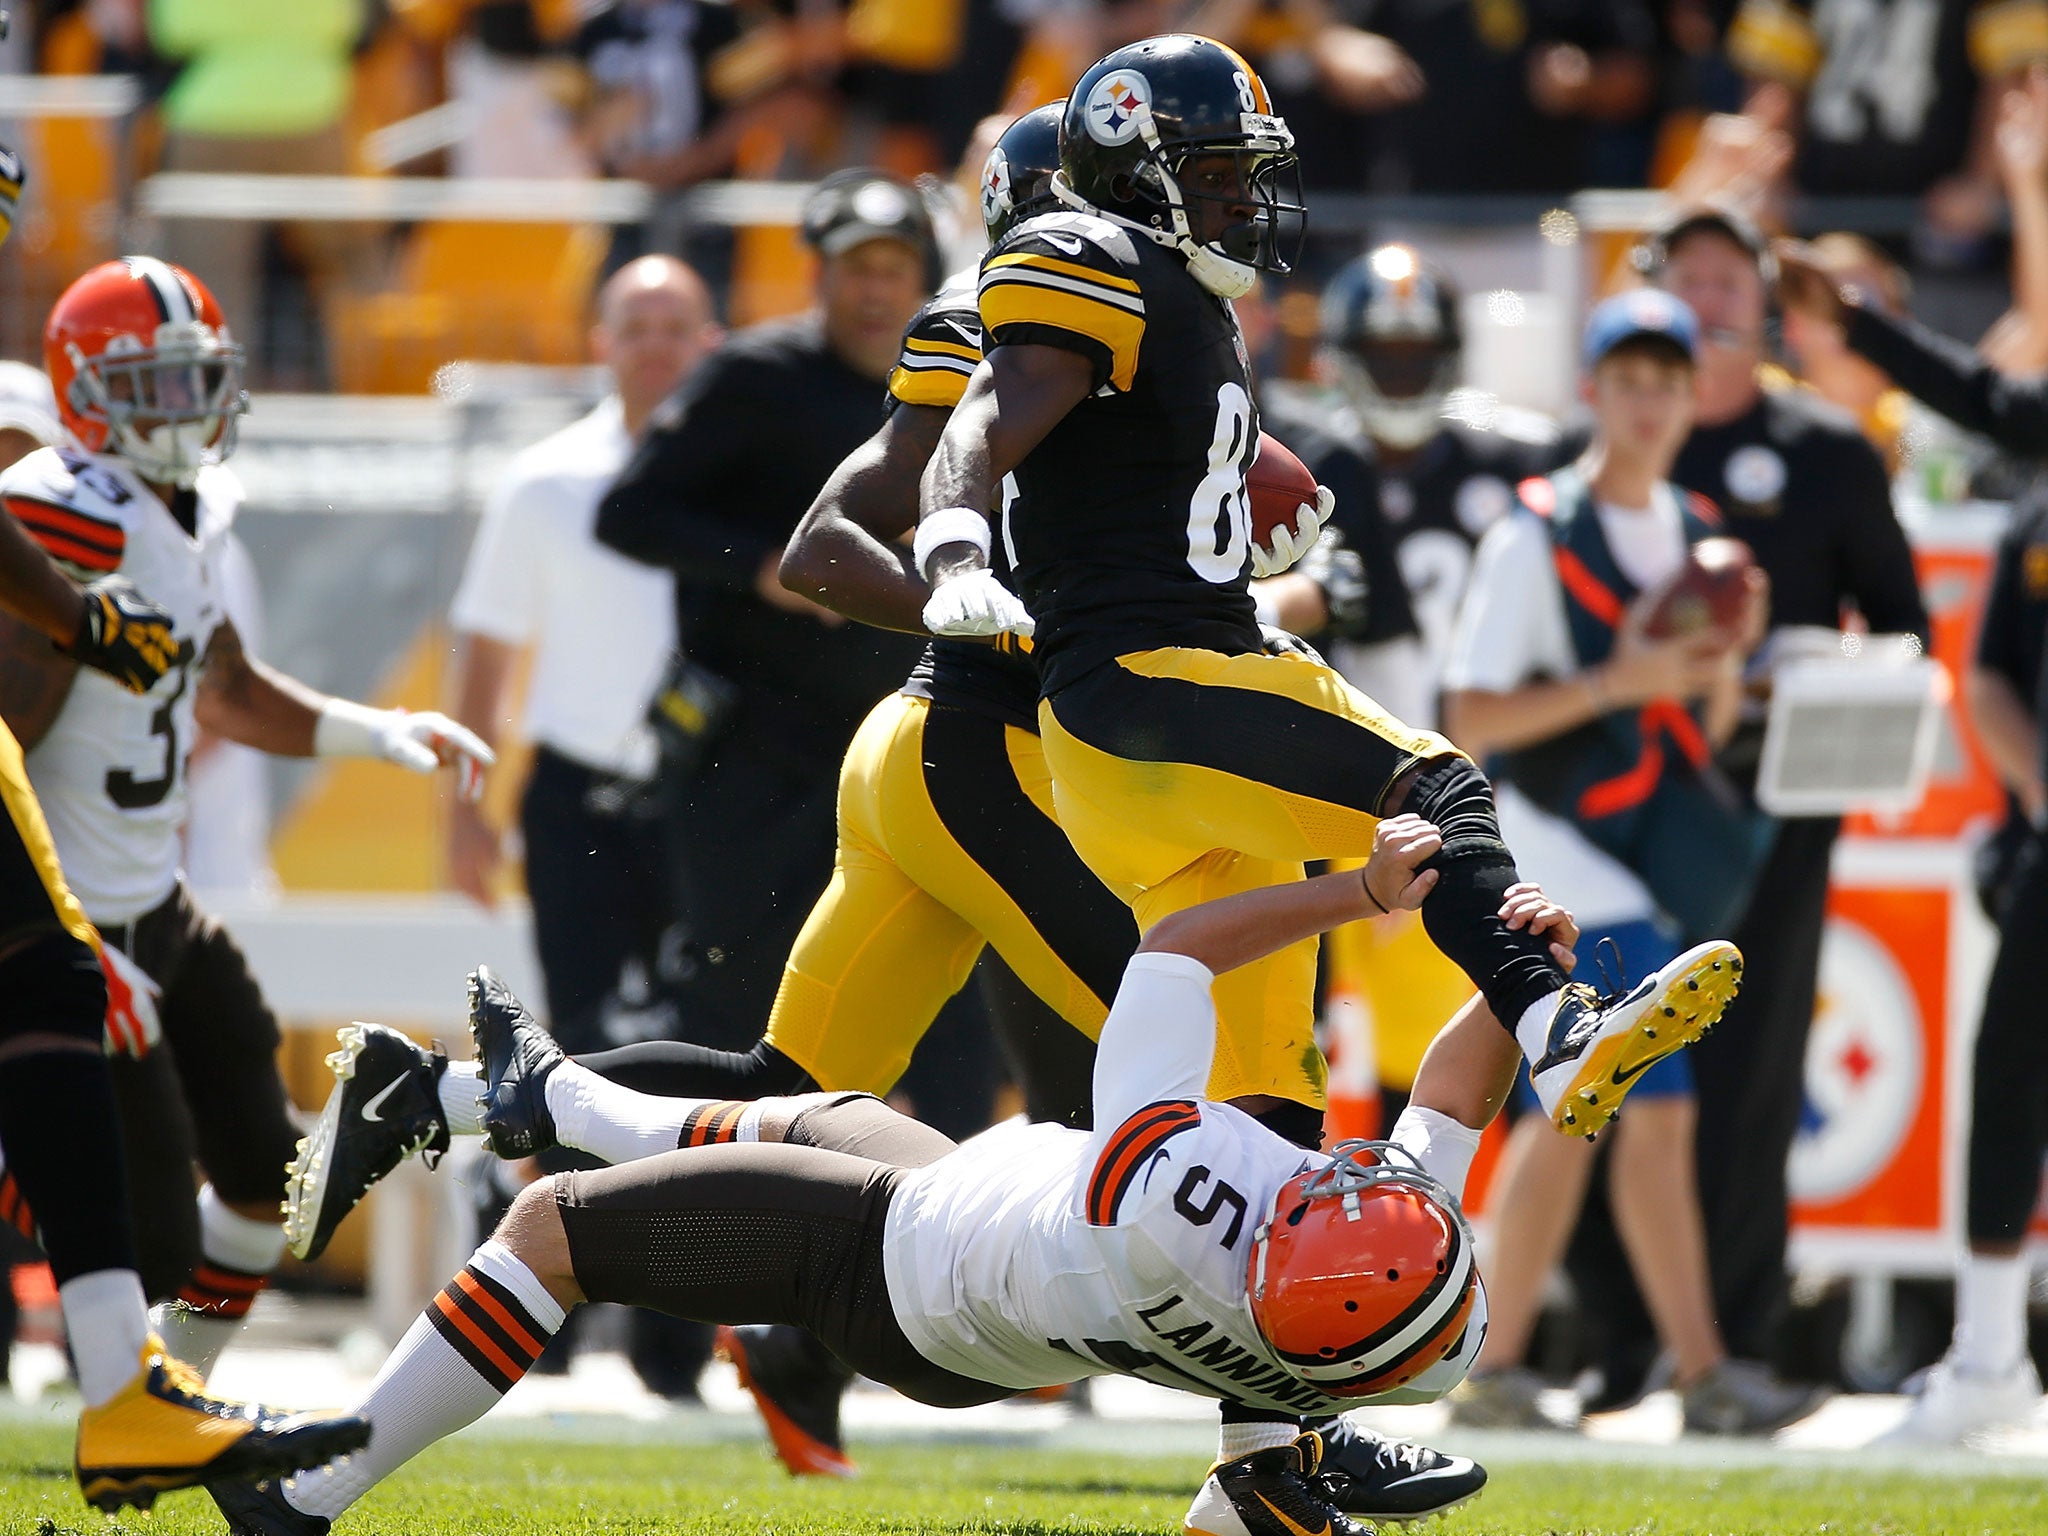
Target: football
1279	483
1706	592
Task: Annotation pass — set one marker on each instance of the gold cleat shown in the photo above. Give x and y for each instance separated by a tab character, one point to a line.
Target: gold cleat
1600	1044
161	1432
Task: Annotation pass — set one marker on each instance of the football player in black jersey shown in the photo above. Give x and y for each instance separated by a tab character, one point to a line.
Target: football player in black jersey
971	704
1186	762
1447	467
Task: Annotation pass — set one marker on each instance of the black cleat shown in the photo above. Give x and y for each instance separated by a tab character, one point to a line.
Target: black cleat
796	1383
1274	1492
1375	1478
517	1056
385	1107
259	1509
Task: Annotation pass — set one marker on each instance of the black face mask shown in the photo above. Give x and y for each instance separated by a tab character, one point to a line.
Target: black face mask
1270	182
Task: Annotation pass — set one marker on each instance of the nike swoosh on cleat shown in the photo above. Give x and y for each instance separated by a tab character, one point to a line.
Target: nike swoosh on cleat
1626	1075
1281	1515
370	1109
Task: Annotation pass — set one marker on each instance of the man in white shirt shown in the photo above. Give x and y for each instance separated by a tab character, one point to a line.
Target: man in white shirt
1603	739
537	579
1180	1241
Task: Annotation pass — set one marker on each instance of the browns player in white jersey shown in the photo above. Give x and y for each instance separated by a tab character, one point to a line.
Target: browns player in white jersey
1180	1241
148	384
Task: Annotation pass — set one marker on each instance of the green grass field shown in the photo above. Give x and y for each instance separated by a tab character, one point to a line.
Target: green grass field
512	1487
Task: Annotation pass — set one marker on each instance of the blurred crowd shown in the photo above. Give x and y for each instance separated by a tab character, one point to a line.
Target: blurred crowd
1766	101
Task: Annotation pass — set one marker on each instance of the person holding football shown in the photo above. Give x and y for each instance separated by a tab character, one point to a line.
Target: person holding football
1602	729
1186	763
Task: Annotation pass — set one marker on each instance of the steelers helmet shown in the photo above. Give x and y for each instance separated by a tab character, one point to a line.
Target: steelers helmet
1363	1277
1138	119
1391	332
1016	183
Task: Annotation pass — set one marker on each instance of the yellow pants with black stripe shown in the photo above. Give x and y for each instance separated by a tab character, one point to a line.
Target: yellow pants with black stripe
33	895
1184	775
946	841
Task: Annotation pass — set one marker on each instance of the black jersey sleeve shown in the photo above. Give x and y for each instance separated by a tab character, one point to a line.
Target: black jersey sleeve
1945	374
2005	640
1878	570
1067	281
941	349
682	501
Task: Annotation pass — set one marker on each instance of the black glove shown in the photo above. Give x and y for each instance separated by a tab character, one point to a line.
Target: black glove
126	636
1340	572
1284	642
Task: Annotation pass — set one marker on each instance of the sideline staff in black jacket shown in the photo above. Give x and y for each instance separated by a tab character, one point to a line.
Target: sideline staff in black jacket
728	466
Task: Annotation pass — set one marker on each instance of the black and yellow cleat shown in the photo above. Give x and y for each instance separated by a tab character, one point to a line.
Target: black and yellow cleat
1275	1492
1600	1044
161	1432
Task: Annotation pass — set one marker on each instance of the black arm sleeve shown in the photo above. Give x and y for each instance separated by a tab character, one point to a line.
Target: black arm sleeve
683	500
2002	641
1878	571
1946	375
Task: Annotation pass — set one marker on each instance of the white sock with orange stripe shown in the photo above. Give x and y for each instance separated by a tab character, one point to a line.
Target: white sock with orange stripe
236	1255
477	1337
615	1123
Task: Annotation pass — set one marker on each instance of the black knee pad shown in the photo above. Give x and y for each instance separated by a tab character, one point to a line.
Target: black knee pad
1453	795
52	985
1512	968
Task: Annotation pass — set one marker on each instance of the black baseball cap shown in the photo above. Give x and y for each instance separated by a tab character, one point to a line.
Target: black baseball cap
1711	219
851	207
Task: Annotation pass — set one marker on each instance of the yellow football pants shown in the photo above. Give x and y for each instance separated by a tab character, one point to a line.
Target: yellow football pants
33	894
946	841
1184	775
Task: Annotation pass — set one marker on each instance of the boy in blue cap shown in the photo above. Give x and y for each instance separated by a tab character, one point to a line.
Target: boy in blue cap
1600	740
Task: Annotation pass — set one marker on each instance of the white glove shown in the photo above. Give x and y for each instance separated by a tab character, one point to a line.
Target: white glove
1284	546
133	1025
975	604
422	742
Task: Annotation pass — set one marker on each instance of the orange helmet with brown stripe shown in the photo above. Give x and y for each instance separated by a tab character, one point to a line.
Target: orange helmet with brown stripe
143	366
1363	1274
1176	138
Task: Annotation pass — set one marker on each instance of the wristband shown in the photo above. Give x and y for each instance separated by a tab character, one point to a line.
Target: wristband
348	729
948	525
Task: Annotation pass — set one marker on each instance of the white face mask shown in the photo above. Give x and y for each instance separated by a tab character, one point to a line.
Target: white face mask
188	387
1406	421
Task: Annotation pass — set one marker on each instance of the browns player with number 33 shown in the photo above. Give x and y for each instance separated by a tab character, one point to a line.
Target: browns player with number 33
148	384
1186	763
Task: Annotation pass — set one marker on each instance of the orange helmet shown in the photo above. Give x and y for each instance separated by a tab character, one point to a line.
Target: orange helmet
1363	1274
143	367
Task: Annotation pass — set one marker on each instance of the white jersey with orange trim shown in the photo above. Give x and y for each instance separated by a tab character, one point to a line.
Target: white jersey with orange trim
1035	1254
110	772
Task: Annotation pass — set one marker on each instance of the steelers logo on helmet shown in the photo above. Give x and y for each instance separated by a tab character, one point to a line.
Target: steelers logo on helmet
995	187
1116	105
